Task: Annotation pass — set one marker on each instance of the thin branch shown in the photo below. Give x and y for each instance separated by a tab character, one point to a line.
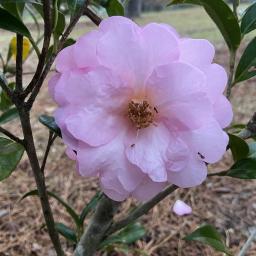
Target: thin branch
248	243
47	38
19	68
232	60
39	178
142	209
4	86
92	16
97	228
235	5
11	136
51	139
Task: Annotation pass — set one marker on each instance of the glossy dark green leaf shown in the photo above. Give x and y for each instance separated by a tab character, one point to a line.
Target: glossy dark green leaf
243	169
90	206
68	208
74	6
208	235
5	101
9	115
128	235
114	8
11	23
248	22
238	146
49	122
65	231
223	17
10	155
247	65
15	8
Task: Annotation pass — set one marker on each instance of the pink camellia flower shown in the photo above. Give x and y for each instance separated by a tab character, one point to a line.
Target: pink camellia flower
180	208
141	107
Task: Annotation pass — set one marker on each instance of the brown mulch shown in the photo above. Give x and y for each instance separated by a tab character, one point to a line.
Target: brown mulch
228	204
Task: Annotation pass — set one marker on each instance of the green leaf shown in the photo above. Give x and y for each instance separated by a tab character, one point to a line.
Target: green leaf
68	208
65	231
9	115
243	169
49	122
207	234
238	146
128	235
11	23
5	101
10	155
114	8
74	6
223	17
247	64
90	206
248	22
15	8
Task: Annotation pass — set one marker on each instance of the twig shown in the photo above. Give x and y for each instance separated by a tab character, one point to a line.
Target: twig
248	243
19	69
235	5
97	228
142	209
47	37
52	137
5	88
92	16
39	178
232	60
11	136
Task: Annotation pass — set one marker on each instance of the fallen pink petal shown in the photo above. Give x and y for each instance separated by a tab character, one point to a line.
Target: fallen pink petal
181	208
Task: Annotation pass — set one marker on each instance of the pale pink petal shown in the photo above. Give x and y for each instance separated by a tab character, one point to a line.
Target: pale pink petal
147	150
112	187
121	49
210	141
216	81
94	126
71	153
85	50
175	81
177	155
223	111
156	34
98	159
65	60
148	189
52	84
192	175
198	52
181	208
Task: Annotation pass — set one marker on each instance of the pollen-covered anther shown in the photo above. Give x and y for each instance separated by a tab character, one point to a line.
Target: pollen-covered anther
141	113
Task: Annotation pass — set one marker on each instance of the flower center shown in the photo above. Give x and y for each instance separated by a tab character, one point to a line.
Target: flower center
141	113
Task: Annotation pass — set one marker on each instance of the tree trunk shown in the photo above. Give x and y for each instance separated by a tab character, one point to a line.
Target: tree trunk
133	8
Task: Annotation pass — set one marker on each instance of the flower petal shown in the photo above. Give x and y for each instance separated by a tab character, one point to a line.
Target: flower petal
210	141
181	208
223	111
192	175
147	150
65	60
148	189
198	52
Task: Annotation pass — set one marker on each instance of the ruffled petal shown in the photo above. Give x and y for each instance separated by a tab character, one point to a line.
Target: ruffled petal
192	175
223	111
148	189
147	150
65	60
180	208
198	52
209	141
